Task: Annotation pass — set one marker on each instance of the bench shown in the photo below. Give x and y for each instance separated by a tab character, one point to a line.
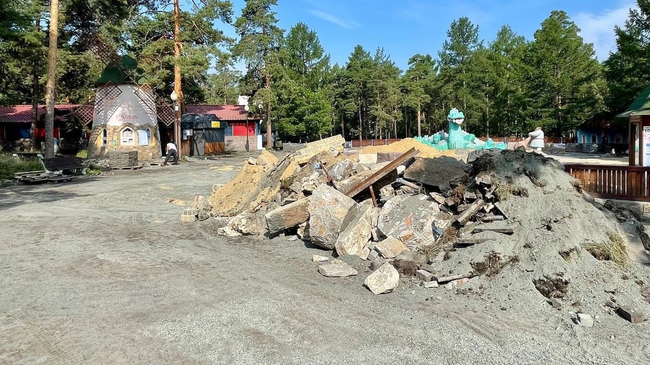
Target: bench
62	163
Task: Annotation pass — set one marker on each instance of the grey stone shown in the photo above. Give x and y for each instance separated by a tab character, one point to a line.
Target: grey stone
303	231
364	253
336	268
431	284
288	216
384	280
585	320
248	223
412	256
374	265
319	258
373	255
390	247
330	211
424	275
353	239
410	219
386	193
341	170
429	268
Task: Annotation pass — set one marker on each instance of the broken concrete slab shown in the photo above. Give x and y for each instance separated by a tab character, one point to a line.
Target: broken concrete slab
330	212
319	258
431	284
437	172
248	223
390	247
384	280
337	268
409	218
288	216
423	275
355	236
266	159
341	170
334	143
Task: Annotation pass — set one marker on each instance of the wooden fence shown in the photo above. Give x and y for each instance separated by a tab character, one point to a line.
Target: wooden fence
613	182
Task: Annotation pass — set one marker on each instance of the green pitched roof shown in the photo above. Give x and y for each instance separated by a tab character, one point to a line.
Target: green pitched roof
640	106
126	72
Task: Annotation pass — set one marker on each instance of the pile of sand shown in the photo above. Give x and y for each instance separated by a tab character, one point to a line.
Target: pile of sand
549	256
408	143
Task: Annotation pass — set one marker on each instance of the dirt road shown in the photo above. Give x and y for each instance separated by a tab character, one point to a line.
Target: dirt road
102	271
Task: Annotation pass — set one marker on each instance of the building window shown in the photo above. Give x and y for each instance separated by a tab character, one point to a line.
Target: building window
128	136
144	137
104	137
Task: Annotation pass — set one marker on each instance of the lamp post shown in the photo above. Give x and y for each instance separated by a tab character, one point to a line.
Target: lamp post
246	108
177	122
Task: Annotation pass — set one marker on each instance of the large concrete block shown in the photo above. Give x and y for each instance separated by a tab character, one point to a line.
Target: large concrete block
354	238
330	211
288	216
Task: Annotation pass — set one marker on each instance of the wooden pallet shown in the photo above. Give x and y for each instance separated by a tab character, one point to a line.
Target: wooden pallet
45	178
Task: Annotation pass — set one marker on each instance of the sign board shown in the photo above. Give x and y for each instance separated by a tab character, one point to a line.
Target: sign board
635	118
216	124
646	146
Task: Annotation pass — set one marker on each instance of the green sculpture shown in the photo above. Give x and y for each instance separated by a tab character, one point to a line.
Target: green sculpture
456	138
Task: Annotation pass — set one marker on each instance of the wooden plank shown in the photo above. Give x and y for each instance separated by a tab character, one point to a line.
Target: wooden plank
470	212
508	231
363	185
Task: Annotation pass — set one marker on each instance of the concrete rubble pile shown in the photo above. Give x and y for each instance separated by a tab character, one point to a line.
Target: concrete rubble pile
502	216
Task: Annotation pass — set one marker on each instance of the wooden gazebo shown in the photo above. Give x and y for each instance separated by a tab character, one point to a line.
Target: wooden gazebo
638	115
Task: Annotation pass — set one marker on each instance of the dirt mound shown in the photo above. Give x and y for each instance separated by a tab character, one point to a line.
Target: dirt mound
408	143
562	247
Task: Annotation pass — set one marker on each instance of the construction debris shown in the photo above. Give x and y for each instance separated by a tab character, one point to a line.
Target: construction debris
510	216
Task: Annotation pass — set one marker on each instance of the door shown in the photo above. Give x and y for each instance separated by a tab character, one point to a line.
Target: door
199	142
214	141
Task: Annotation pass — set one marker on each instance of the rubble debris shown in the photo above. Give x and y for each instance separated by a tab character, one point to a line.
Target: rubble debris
431	284
584	320
629	314
384	280
353	239
391	166
337	268
303	231
341	170
288	216
329	212
319	258
390	247
334	143
436	172
470	212
424	275
246	224
409	218
447	279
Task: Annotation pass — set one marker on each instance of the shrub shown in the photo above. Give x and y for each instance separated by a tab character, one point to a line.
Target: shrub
9	165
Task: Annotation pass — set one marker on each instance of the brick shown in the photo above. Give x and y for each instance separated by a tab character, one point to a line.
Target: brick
630	314
424	275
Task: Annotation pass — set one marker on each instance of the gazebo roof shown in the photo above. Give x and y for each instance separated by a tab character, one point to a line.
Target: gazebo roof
640	106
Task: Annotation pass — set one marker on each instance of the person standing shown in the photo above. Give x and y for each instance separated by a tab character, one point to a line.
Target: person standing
171	153
536	139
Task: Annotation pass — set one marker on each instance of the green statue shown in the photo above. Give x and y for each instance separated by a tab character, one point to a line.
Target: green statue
456	137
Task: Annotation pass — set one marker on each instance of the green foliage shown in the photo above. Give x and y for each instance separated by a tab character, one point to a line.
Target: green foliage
9	165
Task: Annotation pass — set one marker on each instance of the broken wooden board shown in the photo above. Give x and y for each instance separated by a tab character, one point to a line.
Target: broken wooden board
467	242
508	231
470	212
446	279
381	173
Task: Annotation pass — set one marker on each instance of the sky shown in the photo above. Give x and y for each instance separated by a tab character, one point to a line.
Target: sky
407	27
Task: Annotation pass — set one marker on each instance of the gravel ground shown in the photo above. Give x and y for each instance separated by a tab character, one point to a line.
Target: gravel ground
102	271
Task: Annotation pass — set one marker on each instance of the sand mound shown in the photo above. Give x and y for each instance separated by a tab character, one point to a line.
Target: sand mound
551	254
408	143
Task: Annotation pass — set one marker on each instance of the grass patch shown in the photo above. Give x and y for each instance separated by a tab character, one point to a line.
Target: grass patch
552	287
614	250
493	264
503	192
82	154
9	165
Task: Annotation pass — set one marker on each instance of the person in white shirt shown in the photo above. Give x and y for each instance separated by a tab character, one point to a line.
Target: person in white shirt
171	153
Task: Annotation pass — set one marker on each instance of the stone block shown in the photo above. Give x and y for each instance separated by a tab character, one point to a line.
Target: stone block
410	218
431	284
288	216
248	223
429	268
330	211
383	280
341	170
188	218
319	258
585	320
355	236
373	255
630	314
424	275
365	253
390	247
368	158
337	268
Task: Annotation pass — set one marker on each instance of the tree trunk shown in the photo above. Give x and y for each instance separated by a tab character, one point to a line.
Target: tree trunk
35	93
267	84
51	78
419	121
360	126
177	78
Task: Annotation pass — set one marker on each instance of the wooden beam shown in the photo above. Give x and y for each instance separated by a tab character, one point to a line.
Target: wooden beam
381	173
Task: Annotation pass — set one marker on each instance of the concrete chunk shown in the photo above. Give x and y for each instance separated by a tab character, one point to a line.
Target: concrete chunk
337	268
585	320
319	258
354	238
384	280
288	216
630	314
330	211
390	247
424	275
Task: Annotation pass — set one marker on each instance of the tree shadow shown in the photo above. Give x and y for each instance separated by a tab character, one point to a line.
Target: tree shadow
20	194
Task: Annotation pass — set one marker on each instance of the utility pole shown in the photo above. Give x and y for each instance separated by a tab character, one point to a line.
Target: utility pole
178	107
51	78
